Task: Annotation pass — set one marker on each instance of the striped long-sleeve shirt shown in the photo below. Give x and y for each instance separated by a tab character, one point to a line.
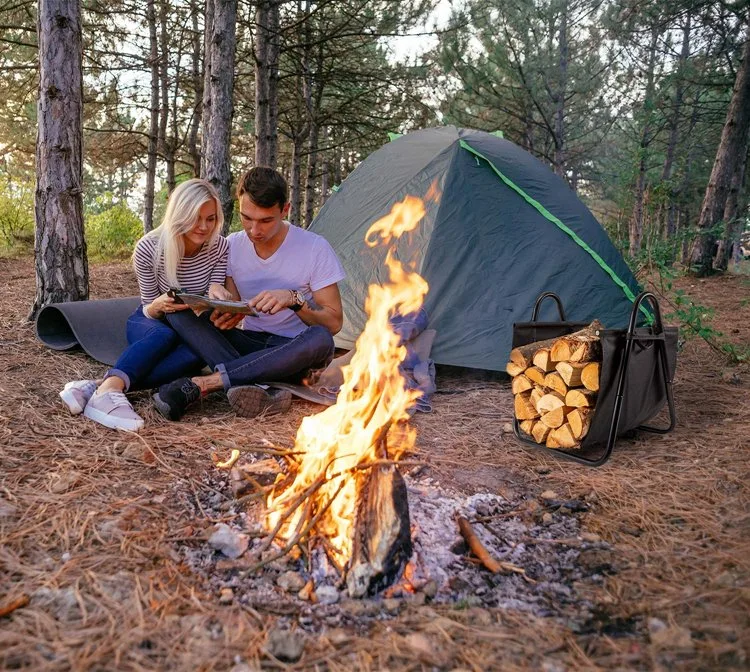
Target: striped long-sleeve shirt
194	274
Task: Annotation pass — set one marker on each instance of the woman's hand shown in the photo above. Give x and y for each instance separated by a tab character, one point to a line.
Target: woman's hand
219	292
164	304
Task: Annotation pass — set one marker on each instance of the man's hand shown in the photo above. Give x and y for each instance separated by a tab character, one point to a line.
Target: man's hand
225	320
271	301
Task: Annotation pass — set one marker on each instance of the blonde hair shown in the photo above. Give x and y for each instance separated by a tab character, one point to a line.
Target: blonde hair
183	207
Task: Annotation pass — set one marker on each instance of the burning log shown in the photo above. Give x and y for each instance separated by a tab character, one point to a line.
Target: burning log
555	395
382	535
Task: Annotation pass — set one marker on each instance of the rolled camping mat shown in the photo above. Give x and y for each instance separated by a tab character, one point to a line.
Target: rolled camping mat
98	327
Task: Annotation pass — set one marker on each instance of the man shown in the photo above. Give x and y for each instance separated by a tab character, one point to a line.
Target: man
289	276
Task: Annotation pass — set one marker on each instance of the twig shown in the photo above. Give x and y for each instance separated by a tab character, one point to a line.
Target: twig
296	538
11	606
478	549
476	546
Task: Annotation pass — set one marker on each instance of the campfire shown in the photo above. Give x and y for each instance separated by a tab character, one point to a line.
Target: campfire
344	491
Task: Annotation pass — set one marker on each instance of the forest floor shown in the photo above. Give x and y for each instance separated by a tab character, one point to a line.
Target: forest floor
94	527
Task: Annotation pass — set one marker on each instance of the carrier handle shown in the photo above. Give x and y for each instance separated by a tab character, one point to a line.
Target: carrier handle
538	304
658	326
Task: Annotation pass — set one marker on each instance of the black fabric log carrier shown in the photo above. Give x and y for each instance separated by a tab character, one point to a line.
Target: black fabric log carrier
638	364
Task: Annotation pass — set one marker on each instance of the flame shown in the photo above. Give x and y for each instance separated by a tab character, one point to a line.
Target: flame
373	400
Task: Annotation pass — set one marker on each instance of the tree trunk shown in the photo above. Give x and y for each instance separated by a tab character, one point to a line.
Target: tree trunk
274	49
733	216
267	47
337	164
195	122
218	104
636	221
560	95
59	247
674	126
733	135
165	145
295	181
262	19
312	165
325	169
153	134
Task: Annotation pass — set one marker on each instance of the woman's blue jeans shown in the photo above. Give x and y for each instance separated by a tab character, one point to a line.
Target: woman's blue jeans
156	354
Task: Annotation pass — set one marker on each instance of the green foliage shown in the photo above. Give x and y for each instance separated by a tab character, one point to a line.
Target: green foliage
694	319
112	232
17	219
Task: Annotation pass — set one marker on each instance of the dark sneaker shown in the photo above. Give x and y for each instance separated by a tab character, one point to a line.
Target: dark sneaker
251	400
173	398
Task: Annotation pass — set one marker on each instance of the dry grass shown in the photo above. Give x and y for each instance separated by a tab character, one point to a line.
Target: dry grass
675	508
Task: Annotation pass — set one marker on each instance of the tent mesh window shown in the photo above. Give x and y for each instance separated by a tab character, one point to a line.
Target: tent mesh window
637	368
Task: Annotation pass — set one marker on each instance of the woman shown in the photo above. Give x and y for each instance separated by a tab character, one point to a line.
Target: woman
185	251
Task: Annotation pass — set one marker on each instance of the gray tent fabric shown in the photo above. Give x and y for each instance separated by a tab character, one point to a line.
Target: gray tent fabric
504	229
98	327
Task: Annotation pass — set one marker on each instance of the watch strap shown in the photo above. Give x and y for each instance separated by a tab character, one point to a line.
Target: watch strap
298	299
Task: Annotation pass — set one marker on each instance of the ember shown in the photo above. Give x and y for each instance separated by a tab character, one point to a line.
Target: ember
346	475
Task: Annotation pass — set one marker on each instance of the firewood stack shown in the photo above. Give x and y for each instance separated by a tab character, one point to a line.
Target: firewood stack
555	384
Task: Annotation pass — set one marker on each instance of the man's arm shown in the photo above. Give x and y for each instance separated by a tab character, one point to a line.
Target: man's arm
324	308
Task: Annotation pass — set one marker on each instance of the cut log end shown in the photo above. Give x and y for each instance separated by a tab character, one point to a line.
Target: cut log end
553	381
526	426
520	384
579	420
512	369
562	437
555	418
535	375
523	407
570	373
590	376
543	361
580	398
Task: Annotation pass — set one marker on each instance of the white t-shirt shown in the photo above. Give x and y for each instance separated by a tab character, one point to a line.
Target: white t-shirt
305	261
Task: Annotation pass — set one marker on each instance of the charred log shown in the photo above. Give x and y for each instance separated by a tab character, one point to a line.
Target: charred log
382	536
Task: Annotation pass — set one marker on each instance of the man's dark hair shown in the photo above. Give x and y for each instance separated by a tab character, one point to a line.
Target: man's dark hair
265	186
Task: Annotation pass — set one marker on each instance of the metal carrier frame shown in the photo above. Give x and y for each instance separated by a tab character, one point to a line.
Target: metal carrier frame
631	337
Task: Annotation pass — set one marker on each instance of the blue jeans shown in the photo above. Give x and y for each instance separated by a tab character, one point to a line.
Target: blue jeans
245	357
155	356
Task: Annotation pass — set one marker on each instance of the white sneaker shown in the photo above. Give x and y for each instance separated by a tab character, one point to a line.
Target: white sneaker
113	410
76	395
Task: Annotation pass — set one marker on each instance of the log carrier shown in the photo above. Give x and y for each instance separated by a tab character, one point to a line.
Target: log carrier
607	381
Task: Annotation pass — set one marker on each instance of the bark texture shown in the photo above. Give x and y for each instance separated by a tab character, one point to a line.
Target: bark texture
153	132
59	247
267	47
218	101
733	136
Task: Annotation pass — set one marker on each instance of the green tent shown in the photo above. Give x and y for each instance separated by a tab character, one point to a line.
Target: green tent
504	229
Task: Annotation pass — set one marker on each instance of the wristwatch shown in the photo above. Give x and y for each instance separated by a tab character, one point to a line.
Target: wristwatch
298	300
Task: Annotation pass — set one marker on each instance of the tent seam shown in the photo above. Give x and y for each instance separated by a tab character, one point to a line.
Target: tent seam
560	225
